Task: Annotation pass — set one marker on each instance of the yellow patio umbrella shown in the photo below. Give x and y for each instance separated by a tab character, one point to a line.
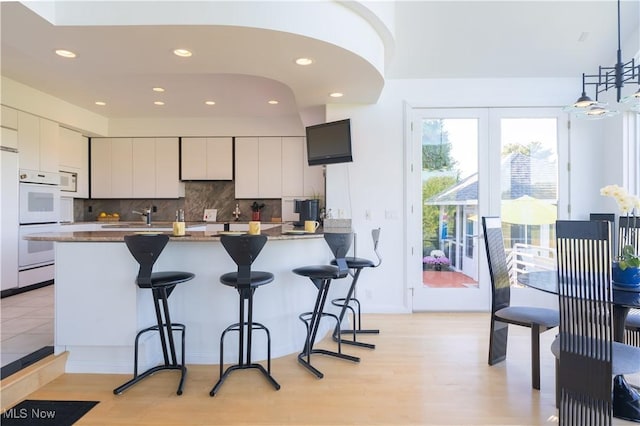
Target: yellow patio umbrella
527	210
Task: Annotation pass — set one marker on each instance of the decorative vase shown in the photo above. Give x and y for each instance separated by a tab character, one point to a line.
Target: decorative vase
437	266
630	277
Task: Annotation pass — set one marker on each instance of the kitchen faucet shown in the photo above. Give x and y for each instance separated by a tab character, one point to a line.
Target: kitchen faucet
236	212
146	213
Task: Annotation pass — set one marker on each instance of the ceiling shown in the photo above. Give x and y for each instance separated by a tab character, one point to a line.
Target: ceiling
241	68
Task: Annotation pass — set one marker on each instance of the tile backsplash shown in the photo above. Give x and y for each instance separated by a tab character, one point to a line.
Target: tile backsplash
198	196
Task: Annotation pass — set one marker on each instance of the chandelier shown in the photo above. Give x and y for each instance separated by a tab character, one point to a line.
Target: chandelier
608	78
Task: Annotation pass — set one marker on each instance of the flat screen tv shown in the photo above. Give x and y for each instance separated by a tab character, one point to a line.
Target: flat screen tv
329	143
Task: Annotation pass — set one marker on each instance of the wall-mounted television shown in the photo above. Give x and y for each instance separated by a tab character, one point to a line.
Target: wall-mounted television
329	143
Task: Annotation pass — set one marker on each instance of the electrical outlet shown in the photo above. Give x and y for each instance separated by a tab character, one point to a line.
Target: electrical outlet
90	209
155	209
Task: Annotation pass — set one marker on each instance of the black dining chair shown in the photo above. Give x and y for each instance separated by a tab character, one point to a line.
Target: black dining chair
146	249
503	313
351	302
587	357
629	233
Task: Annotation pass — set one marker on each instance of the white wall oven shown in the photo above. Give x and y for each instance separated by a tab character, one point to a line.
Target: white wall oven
34	254
39	198
39	211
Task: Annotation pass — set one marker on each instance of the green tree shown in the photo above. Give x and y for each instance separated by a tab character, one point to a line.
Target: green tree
431	213
532	149
436	148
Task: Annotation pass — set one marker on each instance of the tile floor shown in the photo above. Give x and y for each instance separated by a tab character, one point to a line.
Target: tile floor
26	323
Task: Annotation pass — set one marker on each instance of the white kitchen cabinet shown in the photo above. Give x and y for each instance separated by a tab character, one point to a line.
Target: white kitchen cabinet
167	169
83	172
28	141
121	168
298	179
9	117
73	149
9	237
135	168
270	168
155	168
207	158
111	168
246	162
37	143
144	168
101	168
292	166
258	163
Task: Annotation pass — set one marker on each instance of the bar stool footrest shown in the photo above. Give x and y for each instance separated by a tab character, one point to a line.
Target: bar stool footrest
234	367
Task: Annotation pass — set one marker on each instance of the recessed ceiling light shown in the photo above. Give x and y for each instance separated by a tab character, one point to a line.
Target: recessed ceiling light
100	103
210	102
158	89
304	61
182	52
65	53
159	103
336	95
273	102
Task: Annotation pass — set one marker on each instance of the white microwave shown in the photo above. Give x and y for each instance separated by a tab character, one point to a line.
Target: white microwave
68	181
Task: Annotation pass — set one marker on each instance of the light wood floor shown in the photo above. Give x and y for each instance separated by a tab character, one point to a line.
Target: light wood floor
427	369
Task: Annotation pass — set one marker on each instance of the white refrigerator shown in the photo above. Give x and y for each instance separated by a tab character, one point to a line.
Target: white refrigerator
9	220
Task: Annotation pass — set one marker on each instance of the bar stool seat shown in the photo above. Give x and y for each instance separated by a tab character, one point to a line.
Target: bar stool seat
321	276
244	249
146	249
351	302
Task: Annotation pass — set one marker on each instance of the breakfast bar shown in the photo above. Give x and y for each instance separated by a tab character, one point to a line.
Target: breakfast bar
99	308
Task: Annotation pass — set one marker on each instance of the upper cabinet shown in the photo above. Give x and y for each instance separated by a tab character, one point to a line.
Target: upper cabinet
298	178
207	158
275	167
37	143
9	117
135	168
258	163
74	151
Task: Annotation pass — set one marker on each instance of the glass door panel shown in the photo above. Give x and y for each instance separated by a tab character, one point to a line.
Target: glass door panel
529	183
447	155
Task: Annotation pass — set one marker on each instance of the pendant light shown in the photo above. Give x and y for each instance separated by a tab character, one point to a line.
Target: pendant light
607	78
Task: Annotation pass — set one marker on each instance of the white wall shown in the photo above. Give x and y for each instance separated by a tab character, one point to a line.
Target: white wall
374	182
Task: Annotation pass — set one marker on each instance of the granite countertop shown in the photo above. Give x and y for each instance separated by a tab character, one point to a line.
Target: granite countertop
162	223
285	232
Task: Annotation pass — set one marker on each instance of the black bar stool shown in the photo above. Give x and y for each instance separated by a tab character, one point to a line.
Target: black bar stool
321	276
244	249
350	302
146	249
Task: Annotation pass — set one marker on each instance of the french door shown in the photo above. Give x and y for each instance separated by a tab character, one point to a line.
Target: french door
465	163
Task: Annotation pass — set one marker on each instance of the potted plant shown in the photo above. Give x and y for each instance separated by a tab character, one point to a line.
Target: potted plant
625	270
255	210
436	259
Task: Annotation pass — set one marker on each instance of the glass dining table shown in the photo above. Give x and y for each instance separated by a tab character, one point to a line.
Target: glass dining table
624	299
